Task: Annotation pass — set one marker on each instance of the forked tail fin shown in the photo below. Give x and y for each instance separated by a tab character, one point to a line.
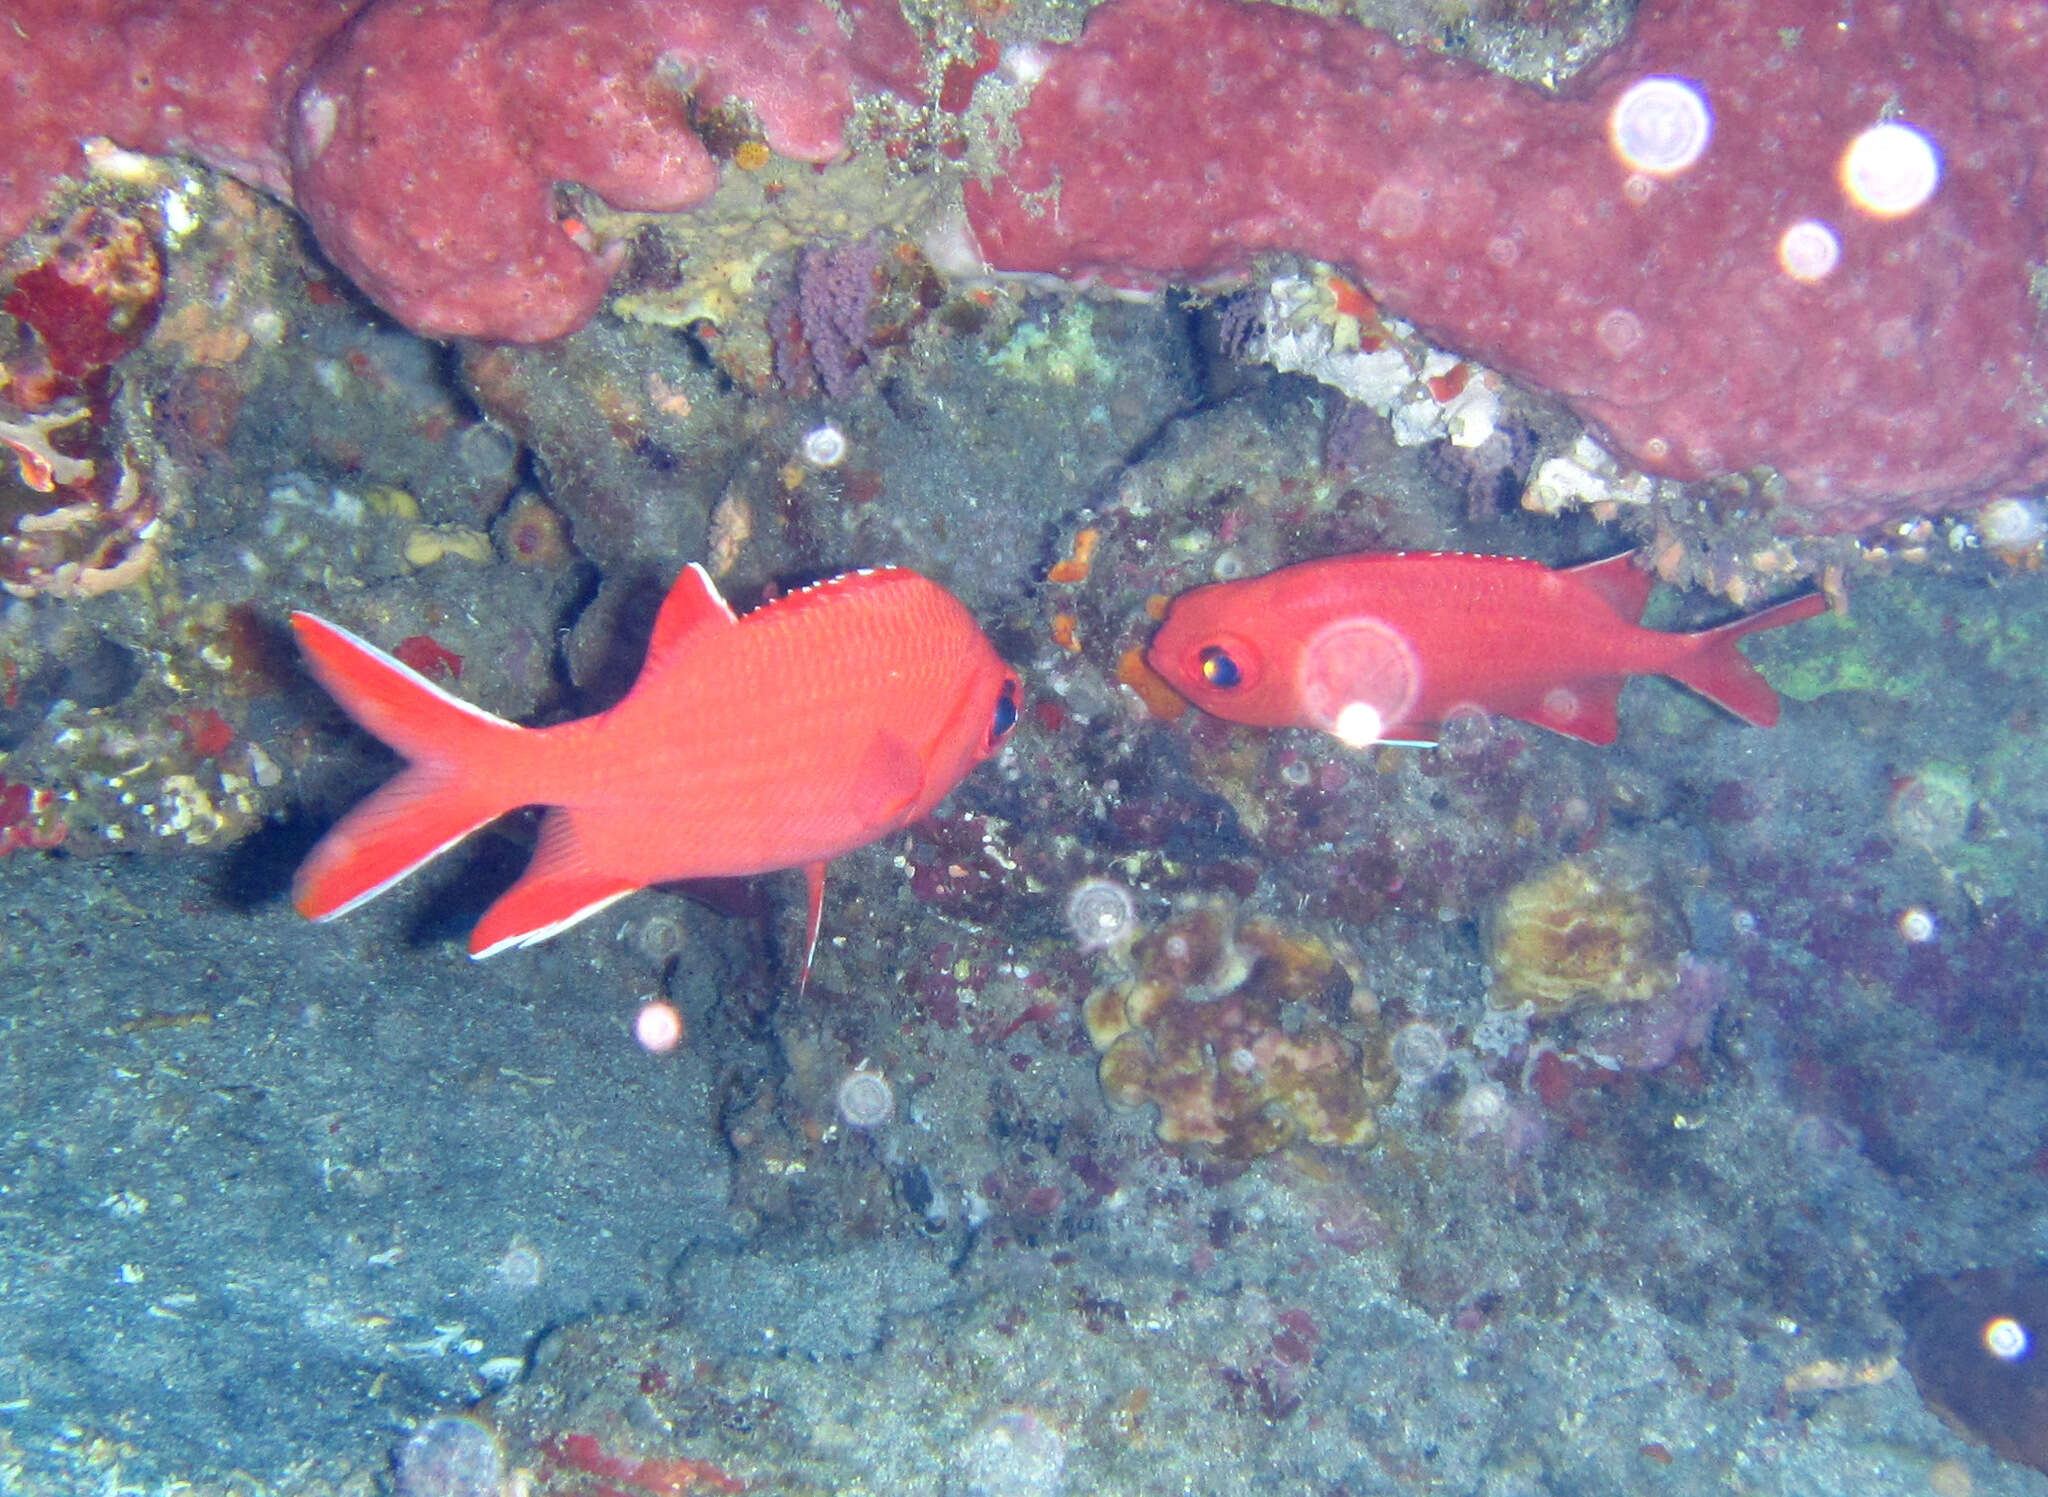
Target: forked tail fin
1713	667
455	781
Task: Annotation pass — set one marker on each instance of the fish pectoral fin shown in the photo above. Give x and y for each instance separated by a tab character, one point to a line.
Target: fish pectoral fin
559	888
887	783
814	881
1589	710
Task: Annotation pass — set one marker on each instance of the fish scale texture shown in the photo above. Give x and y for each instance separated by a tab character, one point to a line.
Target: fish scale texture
1498	218
761	728
813	726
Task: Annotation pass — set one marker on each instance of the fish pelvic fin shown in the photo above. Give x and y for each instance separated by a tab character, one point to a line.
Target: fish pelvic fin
453	784
1713	667
814	890
560	887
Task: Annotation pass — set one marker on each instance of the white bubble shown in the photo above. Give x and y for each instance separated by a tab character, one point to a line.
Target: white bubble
1358	678
1890	169
1619	331
1358	724
1481	1109
1024	63
1917	925
2013	528
1809	251
521	1269
1101	914
1015	1454
825	446
453	1456
2006	1338
1660	126
866	1100
658	1026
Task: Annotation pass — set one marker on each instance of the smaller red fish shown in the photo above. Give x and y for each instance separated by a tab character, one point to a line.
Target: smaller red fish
1384	647
809	727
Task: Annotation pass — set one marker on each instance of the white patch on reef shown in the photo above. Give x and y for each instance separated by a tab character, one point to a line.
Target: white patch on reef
1305	335
1587	475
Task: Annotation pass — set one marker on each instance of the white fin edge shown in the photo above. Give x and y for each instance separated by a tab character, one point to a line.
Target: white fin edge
554	928
404	873
439	691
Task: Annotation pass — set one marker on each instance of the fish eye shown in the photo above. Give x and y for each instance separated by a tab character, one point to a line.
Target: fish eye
1006	714
1218	669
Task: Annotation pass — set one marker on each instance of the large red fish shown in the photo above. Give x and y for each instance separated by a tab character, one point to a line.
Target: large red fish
782	739
1385	647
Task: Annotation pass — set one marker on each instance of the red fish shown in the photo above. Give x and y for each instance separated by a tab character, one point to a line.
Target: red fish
1385	647
810	727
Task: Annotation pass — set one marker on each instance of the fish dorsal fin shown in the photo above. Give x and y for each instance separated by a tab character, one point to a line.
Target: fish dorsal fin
1618	579
834	591
692	608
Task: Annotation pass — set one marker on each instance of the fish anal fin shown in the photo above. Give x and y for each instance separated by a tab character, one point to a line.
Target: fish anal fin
1589	710
1618	579
693	606
559	888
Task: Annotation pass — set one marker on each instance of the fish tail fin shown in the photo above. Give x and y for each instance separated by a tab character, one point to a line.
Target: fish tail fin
454	783
1713	667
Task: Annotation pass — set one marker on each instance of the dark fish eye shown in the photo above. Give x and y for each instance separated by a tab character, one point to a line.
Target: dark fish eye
1006	714
1218	669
